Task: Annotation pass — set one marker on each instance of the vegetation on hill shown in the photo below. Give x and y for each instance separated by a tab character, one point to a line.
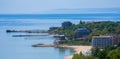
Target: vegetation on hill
96	28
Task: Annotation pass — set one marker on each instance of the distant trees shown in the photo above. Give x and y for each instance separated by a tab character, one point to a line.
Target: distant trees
96	28
66	24
101	28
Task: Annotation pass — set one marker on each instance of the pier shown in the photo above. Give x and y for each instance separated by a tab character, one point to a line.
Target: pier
27	31
43	45
30	35
50	45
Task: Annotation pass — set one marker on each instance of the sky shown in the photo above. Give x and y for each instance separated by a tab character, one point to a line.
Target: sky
44	6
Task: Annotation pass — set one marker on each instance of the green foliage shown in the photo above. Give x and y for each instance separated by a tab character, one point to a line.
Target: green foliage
96	28
95	51
114	54
81	56
109	52
102	54
78	56
75	42
106	53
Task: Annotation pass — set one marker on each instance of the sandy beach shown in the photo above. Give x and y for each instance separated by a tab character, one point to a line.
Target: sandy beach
78	49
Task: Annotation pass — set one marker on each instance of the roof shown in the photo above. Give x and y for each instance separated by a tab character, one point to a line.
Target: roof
102	37
82	29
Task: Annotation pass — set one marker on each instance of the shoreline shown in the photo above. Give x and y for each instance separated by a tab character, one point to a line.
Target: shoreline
76	48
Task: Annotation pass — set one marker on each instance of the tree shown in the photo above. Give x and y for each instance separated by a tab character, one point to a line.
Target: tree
114	54
82	22
95	51
78	56
102	54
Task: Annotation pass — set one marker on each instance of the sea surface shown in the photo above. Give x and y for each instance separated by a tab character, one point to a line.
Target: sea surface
21	47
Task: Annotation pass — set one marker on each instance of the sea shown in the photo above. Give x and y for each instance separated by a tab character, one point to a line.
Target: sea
21	47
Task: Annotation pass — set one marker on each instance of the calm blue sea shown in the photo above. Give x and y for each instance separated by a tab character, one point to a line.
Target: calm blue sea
20	47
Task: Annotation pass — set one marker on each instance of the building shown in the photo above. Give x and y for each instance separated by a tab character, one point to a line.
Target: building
59	37
66	24
104	41
116	39
82	33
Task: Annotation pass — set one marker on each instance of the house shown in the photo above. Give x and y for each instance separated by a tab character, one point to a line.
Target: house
66	24
82	33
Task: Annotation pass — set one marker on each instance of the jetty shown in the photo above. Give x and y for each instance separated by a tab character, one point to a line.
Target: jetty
30	35
27	31
51	45
43	45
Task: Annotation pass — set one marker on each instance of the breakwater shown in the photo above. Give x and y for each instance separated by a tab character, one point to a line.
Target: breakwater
30	35
27	31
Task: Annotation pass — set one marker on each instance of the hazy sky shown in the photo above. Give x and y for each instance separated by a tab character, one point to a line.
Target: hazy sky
42	6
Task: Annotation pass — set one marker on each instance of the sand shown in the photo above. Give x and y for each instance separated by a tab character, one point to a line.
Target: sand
78	49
